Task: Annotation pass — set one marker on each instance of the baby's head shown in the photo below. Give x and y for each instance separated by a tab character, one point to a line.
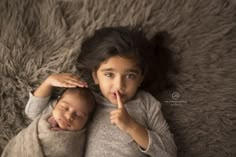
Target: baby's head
74	108
116	58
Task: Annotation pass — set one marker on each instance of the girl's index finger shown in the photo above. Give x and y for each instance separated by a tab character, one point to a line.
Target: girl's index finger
120	104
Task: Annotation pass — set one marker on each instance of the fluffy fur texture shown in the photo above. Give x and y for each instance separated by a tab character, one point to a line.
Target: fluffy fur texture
39	37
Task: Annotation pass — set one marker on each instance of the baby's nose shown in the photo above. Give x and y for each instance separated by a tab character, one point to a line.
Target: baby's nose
69	116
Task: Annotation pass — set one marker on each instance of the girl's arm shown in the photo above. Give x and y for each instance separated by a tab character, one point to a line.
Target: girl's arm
139	134
121	118
66	80
36	105
154	140
161	140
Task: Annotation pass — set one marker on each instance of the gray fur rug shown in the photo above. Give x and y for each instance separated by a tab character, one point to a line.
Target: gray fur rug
39	37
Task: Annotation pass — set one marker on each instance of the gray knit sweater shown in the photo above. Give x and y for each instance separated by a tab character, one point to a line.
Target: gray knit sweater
107	140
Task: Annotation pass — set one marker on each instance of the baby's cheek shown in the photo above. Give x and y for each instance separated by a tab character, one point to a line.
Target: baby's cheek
53	113
80	124
56	114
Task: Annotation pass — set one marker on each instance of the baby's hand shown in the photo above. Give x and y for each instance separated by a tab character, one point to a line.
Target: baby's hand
66	80
120	117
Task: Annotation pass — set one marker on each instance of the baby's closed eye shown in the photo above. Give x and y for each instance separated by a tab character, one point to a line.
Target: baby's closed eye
64	107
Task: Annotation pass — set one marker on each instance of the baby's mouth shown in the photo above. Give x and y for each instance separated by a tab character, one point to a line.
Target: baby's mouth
65	123
68	125
53	122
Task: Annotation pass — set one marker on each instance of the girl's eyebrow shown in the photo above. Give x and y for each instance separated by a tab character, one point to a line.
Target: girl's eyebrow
134	71
107	69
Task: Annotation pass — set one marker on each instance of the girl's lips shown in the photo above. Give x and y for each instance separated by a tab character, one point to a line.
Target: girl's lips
114	95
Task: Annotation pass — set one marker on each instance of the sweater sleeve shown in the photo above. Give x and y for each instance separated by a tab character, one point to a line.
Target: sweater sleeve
161	142
36	105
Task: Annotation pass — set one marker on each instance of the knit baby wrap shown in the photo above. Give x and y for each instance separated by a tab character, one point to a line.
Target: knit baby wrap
39	140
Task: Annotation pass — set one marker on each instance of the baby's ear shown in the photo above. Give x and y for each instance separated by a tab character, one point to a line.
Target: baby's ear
95	79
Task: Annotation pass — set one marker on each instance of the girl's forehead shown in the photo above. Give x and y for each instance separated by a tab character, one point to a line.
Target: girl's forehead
120	61
120	64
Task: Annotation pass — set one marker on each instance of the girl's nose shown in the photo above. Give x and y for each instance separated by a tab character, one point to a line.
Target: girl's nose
120	83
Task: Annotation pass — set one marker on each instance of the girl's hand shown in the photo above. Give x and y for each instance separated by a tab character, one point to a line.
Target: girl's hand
120	117
67	80
58	80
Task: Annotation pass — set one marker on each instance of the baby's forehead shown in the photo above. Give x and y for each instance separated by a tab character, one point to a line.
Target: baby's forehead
84	98
77	93
72	91
75	103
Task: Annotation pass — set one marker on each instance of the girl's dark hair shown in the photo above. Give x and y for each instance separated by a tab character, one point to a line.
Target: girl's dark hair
113	41
153	56
161	65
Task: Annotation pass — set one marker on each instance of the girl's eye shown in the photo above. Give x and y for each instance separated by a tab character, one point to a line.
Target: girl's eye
109	75
131	76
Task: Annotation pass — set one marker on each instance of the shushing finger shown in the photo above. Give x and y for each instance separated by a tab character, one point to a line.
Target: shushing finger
119	102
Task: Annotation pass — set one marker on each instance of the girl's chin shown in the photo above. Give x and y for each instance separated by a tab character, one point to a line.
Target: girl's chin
112	100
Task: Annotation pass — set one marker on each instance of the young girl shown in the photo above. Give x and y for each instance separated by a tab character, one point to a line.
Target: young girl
128	121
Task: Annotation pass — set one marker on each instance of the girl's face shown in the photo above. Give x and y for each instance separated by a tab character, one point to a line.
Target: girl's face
118	73
71	112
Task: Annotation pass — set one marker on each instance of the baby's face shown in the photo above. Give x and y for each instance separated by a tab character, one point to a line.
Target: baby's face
71	112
